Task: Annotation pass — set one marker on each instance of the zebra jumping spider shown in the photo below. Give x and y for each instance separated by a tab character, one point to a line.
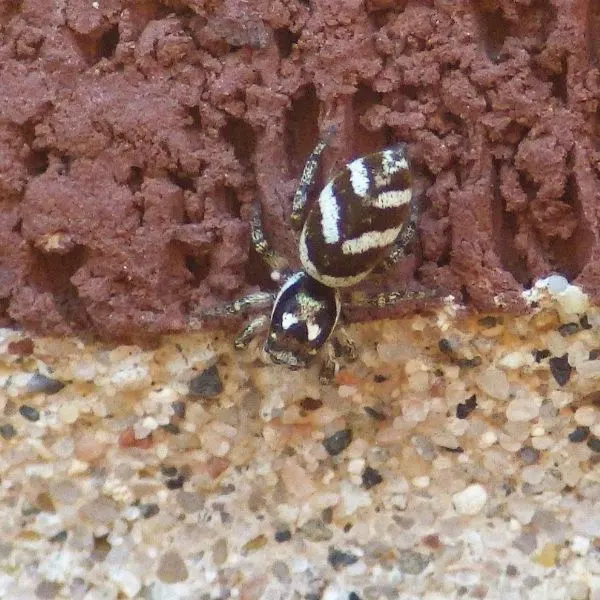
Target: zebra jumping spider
363	218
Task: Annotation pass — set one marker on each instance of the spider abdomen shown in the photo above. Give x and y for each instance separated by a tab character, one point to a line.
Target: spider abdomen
356	219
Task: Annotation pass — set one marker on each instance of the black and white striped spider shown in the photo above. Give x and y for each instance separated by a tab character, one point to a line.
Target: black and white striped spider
364	217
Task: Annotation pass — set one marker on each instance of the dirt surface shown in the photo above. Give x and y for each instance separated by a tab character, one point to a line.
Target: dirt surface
134	135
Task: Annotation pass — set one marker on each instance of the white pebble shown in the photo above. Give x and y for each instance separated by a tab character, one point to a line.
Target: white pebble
555	284
128	582
585	415
522	409
516	360
471	500
580	545
586	520
572	301
533	474
489	438
589	369
494	383
422	481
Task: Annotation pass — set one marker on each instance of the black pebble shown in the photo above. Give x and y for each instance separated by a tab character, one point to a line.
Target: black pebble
377	378
371	477
594	354
374	414
206	385
283	535
149	510
7	431
60	537
445	346
40	383
30	413
338	442
178	409
488	321
560	369
540	355
464	409
594	444
584	322
311	404
529	455
171	428
568	329
337	558
469	363
353	596
175	483
579	434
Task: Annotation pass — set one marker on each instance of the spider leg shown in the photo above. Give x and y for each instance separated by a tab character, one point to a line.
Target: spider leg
252	329
330	365
390	298
405	239
257	301
346	344
307	180
274	261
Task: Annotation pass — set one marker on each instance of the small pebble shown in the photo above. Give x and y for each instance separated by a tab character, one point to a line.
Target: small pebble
374	414
41	384
60	537
338	558
568	329
149	510
584	322
464	409
338	442
594	444
310	404
560	369
548	555
522	409
353	596
446	346
488	321
179	409
29	412
556	284
171	568
529	455
283	535
540	355
7	431
471	500
412	562
206	385
579	434
585	416
494	383
316	530
469	363
370	478
176	482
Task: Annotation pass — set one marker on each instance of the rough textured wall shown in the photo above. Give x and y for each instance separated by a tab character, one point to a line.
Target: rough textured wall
134	135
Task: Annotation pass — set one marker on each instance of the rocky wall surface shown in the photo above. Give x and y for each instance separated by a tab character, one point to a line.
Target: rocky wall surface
134	135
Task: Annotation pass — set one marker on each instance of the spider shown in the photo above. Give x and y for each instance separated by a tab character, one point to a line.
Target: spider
365	217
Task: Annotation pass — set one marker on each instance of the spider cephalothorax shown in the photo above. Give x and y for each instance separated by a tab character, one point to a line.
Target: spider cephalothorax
363	218
304	315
